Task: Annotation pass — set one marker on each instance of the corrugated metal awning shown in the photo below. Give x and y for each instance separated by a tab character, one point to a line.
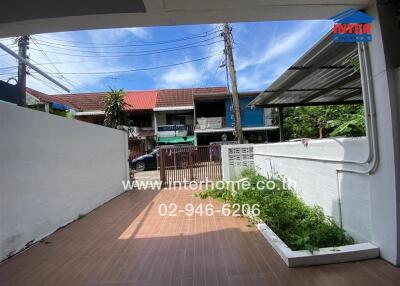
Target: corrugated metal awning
327	74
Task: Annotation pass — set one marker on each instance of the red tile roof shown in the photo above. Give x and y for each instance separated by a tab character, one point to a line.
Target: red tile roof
175	97
85	101
141	100
78	101
184	96
136	100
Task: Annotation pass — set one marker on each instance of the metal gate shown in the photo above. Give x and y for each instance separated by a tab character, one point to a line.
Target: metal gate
180	164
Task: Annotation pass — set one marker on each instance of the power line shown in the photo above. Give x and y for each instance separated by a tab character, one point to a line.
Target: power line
75	47
92	54
221	62
143	43
8	67
46	83
57	70
143	69
57	74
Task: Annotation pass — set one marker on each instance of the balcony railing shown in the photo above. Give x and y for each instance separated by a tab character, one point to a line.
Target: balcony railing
210	122
174	130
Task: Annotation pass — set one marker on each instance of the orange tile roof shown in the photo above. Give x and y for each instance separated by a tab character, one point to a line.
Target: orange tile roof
141	100
136	100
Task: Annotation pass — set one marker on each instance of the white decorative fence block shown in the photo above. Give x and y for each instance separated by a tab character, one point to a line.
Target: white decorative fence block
236	158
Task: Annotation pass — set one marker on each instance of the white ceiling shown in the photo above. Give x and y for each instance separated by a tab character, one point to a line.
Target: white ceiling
158	12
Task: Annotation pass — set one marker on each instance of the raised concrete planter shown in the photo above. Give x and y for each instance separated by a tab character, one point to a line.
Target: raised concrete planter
328	255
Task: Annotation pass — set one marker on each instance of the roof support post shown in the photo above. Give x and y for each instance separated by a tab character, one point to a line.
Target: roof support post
280	113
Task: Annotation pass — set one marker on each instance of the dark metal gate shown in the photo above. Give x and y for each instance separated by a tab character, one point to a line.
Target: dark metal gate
180	164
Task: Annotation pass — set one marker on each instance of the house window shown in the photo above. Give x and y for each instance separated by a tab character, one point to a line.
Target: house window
175	119
140	120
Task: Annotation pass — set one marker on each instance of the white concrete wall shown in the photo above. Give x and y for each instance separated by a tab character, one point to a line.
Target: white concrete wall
51	170
316	181
367	213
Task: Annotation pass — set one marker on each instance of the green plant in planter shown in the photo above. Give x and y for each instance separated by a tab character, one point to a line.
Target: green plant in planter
300	226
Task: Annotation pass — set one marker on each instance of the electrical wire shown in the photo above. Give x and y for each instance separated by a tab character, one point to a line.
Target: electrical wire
143	43
206	37
217	69
55	67
48	84
79	48
58	75
142	69
8	67
95	54
8	73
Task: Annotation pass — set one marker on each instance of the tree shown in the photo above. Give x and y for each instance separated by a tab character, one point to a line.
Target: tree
114	108
323	121
353	125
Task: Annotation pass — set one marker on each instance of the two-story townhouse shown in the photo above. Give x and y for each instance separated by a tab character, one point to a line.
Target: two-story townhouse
197	116
215	119
174	114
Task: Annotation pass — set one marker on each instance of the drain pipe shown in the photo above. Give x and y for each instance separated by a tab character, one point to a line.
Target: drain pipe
371	125
371	162
370	112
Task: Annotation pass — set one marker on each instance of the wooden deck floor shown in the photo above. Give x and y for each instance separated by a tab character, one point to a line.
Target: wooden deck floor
126	242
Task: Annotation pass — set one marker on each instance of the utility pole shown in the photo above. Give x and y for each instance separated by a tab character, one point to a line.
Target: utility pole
232	73
23	43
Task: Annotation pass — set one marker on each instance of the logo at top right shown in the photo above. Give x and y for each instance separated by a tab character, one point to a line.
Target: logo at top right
352	25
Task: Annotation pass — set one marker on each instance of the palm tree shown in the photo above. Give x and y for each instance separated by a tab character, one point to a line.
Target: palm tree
115	106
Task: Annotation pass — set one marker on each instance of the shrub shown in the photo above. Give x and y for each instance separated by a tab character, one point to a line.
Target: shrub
300	226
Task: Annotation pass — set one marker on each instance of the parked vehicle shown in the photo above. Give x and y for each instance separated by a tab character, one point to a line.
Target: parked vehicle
176	156
145	162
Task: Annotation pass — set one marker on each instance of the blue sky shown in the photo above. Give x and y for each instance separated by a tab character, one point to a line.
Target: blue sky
263	50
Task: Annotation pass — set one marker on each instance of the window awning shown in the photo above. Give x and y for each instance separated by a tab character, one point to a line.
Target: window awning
327	74
176	140
59	106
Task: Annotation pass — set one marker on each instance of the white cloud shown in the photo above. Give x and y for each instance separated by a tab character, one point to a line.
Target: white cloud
196	74
187	75
110	36
261	62
281	45
138	32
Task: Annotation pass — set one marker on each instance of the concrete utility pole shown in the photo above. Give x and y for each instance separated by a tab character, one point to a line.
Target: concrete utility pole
232	73
23	43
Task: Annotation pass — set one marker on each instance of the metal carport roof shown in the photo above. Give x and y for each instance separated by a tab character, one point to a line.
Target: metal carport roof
327	74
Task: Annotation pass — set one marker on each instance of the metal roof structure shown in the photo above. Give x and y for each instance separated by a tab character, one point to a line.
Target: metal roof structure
327	74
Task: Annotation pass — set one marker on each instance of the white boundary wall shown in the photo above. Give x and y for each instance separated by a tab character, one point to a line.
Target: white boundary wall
51	170
368	213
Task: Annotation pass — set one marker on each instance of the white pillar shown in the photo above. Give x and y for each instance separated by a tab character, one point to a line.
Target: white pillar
384	184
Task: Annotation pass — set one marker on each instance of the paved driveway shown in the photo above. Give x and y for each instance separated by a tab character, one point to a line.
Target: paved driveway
153	175
127	242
